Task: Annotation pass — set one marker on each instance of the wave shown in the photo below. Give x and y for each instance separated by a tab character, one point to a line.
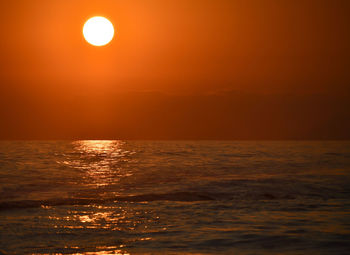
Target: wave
174	196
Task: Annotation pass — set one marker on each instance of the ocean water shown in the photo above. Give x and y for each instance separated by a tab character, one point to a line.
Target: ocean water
174	197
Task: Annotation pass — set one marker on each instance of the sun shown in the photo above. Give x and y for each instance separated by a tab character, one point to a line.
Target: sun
98	31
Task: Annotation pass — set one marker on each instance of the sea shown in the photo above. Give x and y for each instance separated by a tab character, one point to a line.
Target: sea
175	197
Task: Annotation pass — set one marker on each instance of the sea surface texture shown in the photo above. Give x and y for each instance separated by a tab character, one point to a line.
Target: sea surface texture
174	197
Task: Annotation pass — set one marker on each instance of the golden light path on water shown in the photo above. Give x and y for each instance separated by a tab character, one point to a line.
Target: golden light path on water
95	146
116	252
100	162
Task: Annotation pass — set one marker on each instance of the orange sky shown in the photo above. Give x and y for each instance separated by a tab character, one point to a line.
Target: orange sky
175	67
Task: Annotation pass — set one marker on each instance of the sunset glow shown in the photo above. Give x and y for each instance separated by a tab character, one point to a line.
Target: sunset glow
175	127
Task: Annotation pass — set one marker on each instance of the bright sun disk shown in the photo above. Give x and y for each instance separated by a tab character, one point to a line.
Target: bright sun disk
98	31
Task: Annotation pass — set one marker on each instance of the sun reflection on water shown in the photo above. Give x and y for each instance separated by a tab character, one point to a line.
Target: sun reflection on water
118	219
101	161
98	146
99	166
116	252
